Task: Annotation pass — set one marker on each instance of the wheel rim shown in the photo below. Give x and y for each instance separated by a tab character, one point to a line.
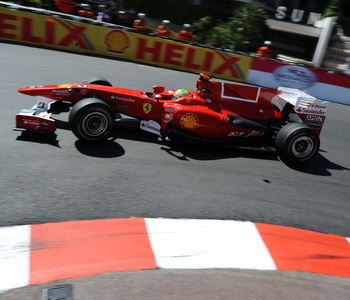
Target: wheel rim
302	147
95	124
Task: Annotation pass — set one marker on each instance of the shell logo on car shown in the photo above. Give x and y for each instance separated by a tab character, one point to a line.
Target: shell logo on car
117	41
189	121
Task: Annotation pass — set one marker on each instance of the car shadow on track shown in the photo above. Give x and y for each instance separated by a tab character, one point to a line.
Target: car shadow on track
319	166
186	151
180	150
40	138
105	149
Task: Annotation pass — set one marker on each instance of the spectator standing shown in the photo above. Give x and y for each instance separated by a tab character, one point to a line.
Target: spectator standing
111	11
185	34
100	13
164	29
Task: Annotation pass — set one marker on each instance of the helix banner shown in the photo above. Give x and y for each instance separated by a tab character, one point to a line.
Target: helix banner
73	35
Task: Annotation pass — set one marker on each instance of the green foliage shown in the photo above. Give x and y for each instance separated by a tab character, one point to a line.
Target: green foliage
341	10
202	27
244	31
337	8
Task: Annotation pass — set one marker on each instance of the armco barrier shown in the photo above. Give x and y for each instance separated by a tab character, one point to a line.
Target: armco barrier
66	32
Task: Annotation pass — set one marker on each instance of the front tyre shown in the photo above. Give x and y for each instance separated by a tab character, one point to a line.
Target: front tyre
91	120
297	143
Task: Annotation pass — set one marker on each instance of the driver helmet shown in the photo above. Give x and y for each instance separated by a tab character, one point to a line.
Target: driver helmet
166	22
180	93
268	43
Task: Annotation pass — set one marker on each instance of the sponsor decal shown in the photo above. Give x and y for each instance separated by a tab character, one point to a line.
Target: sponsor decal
63	92
313	124
64	86
117	41
115	97
313	109
314	118
150	126
236	133
36	123
168	114
189	121
122	107
295	77
255	133
147	107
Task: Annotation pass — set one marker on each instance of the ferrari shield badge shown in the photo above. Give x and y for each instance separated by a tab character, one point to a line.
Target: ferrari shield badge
147	107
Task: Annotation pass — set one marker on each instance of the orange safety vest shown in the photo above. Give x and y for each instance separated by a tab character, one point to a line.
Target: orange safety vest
86	14
139	24
65	6
185	35
162	30
265	52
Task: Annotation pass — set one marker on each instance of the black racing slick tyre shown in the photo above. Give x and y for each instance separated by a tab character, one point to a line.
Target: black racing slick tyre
91	120
297	143
97	80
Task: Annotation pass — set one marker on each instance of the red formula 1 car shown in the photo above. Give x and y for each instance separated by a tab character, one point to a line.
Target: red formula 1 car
285	119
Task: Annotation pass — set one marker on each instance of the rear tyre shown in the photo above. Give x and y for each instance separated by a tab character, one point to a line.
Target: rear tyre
297	143
98	80
91	120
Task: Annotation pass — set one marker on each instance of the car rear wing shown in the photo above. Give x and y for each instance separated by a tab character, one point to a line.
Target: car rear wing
307	109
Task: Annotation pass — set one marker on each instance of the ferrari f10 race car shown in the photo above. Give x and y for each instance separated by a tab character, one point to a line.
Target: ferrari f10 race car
284	119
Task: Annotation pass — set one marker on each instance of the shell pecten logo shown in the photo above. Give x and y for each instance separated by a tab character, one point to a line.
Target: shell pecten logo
189	121
117	41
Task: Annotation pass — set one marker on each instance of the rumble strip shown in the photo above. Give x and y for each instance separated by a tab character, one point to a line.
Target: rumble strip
33	254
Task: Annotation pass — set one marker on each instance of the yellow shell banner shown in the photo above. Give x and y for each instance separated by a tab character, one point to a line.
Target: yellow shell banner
68	34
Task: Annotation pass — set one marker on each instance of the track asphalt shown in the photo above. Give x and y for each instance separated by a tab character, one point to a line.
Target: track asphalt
185	259
35	254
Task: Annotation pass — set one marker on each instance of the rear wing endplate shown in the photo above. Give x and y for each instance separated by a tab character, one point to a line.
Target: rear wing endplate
310	110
